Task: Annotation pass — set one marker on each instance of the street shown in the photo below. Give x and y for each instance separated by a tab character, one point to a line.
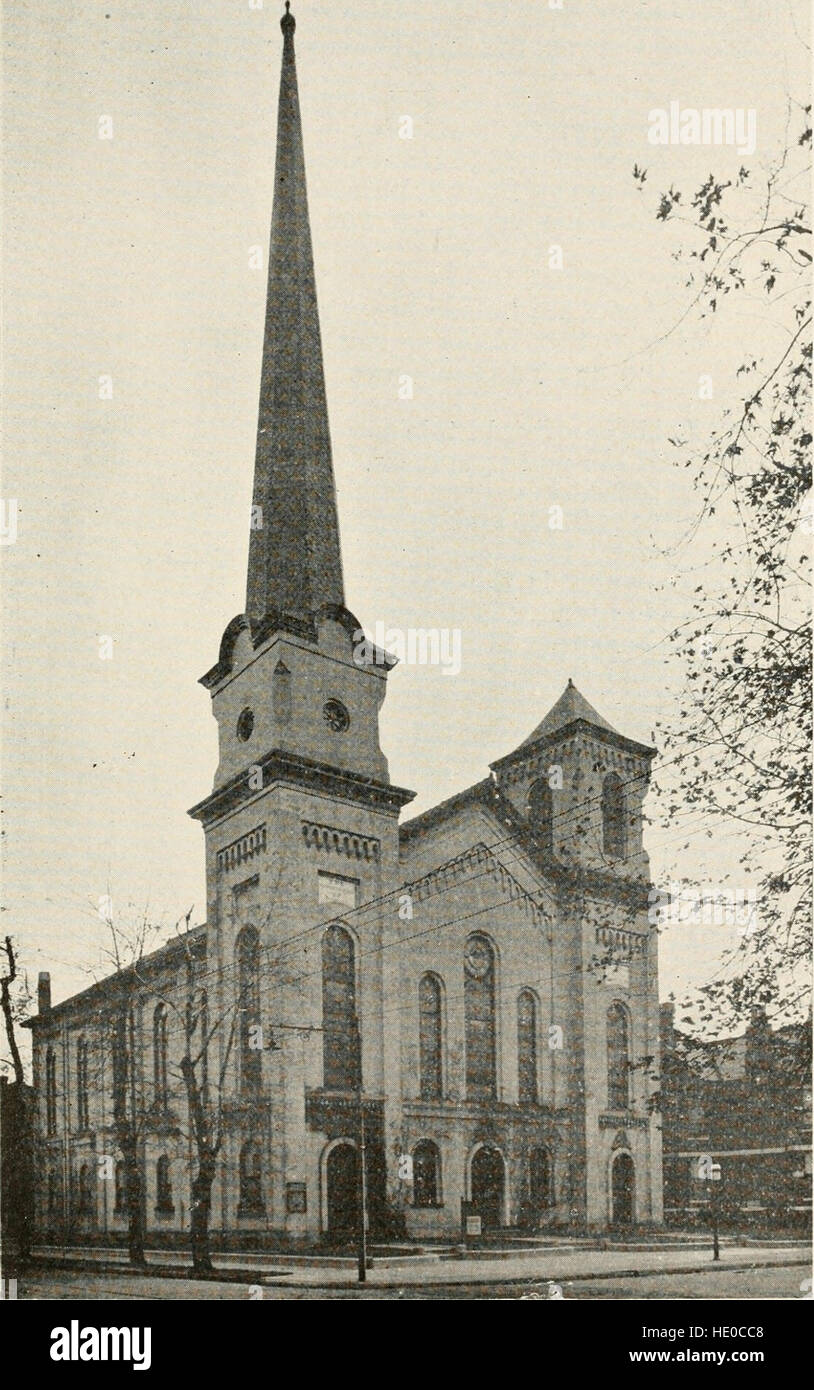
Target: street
777	1282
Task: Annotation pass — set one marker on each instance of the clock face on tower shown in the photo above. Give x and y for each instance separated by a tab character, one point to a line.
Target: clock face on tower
336	716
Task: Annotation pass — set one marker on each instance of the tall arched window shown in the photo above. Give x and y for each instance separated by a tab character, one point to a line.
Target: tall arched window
426	1174
160	1055
613	817
251	1178
527	1090
618	1029
163	1185
430	1039
341	1069
50	1091
479	1011
251	1051
82	1118
87	1195
541	813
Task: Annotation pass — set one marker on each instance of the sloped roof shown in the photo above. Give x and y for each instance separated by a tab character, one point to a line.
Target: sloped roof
570	706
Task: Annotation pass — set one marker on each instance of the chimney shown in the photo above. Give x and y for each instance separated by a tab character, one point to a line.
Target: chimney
43	992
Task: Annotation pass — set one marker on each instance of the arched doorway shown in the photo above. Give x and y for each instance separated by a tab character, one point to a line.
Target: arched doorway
487	1183
623	1190
342	1191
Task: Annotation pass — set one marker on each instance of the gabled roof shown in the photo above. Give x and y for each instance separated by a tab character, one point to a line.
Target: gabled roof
99	993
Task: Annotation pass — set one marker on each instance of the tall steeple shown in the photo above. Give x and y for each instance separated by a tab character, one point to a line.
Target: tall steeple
295	564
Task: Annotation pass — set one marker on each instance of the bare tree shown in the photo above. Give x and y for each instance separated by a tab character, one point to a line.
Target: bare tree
15	1003
738	749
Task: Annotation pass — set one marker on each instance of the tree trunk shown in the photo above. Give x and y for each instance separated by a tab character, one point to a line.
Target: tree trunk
199	1222
135	1205
124	1117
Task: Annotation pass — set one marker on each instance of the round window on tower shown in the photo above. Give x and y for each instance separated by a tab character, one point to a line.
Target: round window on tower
245	725
336	716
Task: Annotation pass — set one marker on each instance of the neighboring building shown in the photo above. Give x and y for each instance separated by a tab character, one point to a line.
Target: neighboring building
482	980
746	1103
17	1167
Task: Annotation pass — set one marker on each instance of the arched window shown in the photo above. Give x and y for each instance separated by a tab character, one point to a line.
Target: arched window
120	1176
430	1037
160	1054
163	1185
618	1028
87	1195
50	1091
251	1178
341	1069
613	817
82	1084
479	1011
541	813
527	1091
426	1174
251	1037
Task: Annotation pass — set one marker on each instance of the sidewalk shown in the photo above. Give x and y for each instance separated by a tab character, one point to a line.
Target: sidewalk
448	1267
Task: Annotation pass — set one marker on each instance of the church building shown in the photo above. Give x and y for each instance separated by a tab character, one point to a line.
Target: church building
469	996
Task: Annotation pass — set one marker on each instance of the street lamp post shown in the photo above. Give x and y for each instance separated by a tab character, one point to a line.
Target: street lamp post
362	1174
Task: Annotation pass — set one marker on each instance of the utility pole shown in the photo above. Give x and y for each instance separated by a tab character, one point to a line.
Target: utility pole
362	1174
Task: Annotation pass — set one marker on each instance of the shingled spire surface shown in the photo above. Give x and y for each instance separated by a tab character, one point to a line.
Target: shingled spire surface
295	564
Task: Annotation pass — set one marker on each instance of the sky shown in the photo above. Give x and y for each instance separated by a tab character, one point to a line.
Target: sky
532	387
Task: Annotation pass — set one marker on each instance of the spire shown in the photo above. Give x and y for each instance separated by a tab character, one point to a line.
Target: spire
295	565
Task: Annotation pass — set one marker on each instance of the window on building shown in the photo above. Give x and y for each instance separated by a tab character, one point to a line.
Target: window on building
430	1025
527	1088
426	1174
613	817
87	1193
479	1011
251	1178
120	1176
160	1055
251	1036
50	1091
82	1117
340	1043
163	1185
541	813
618	1031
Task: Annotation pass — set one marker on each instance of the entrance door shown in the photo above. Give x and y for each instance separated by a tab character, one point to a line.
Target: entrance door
488	1180
342	1180
623	1188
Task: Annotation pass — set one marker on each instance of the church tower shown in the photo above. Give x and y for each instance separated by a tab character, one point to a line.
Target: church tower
301	825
